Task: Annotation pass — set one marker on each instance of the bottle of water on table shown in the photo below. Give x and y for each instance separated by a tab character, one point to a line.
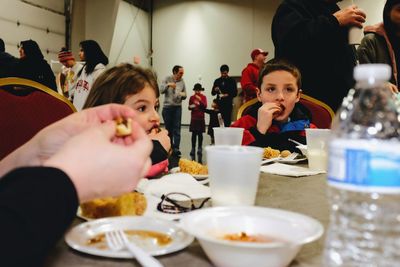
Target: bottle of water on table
364	175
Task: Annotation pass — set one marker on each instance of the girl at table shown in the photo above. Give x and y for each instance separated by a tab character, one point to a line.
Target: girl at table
137	88
277	116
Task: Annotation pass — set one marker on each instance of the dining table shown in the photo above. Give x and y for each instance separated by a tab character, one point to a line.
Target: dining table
306	195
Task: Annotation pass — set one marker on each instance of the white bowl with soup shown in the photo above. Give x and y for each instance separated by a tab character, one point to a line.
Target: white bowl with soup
250	236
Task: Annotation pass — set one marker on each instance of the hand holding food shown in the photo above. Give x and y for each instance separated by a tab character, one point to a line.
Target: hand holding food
266	113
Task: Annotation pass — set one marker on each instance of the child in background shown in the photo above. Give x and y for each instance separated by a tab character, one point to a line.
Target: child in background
197	104
277	116
69	71
213	112
137	88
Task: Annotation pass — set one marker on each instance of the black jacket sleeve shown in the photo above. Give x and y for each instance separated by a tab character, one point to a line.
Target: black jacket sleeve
37	205
158	153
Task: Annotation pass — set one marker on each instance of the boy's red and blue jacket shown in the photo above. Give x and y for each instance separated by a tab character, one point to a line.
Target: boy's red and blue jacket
278	134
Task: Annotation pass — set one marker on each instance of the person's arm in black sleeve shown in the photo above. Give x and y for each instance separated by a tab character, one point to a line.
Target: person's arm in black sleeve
158	153
37	205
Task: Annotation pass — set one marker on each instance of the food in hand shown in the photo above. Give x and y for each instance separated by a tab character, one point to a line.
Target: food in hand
127	204
123	127
192	167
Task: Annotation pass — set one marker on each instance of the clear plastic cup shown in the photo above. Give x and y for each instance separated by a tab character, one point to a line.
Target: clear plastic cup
234	172
228	136
317	148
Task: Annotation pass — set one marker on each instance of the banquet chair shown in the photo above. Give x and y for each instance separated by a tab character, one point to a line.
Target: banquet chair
26	107
321	114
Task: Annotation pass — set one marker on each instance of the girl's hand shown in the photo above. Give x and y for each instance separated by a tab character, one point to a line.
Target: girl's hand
266	113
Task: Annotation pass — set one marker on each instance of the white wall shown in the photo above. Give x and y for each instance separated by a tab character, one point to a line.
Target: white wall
203	35
34	22
131	36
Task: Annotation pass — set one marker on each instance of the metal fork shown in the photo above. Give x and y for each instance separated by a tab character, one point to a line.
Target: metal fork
117	240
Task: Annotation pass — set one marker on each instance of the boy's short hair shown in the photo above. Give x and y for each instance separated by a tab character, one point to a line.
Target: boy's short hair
224	68
176	68
116	84
279	64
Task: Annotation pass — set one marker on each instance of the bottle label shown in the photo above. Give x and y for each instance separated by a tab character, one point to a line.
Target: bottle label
362	165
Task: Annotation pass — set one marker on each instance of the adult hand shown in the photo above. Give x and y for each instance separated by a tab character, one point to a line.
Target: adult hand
49	140
100	167
350	16
266	113
162	136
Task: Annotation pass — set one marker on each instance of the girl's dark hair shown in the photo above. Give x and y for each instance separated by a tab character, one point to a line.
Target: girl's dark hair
119	82
93	55
276	65
31	49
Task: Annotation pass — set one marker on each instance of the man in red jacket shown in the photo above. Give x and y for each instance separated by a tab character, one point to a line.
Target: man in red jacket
249	78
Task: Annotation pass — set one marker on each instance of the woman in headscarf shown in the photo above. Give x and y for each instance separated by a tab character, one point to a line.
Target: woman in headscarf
33	66
381	43
95	64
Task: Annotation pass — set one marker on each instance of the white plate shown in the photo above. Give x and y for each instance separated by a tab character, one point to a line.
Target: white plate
77	238
198	177
284	160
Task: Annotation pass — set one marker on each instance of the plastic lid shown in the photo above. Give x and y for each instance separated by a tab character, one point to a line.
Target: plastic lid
372	71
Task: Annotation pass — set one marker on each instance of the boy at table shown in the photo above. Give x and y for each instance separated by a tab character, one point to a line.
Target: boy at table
277	116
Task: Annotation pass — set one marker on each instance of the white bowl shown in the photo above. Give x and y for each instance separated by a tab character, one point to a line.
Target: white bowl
290	231
303	149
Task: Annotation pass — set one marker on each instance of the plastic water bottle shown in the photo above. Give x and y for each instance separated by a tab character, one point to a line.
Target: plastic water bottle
364	175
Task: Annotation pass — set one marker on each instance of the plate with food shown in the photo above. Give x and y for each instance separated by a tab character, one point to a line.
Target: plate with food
155	236
197	170
133	203
285	156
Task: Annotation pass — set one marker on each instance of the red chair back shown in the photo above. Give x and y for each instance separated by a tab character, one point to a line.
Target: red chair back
26	107
322	114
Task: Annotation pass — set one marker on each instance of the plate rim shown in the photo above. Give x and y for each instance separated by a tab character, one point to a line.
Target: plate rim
185	242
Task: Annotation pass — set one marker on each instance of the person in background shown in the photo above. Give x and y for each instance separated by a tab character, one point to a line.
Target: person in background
136	88
38	182
381	43
197	105
313	35
213	122
249	77
8	62
69	71
277	116
95	64
226	89
33	66
174	89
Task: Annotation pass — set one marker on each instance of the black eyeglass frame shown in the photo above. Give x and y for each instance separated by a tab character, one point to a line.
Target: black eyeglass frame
176	208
